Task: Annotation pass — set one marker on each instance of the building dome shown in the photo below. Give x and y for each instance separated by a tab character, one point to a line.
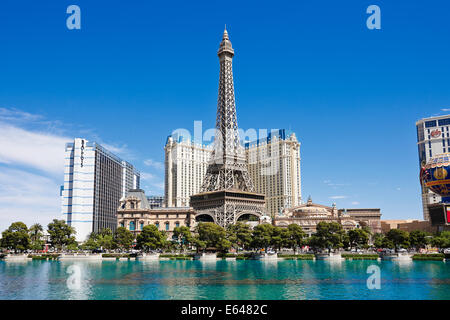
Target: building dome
310	209
435	174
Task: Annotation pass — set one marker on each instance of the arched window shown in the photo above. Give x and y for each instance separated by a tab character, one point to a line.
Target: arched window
177	224
142	225
157	224
132	226
167	226
122	224
132	205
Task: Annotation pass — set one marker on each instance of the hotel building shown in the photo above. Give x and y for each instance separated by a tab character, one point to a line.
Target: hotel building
433	137
94	182
273	165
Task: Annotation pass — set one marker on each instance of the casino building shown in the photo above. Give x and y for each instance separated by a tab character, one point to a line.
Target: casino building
433	138
308	215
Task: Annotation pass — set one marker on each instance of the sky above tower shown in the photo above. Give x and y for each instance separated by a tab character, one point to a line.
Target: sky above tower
138	70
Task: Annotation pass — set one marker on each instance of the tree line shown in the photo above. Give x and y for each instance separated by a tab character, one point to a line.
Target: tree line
207	235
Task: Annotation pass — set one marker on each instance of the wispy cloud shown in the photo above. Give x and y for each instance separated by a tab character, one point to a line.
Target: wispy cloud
12	114
32	166
27	197
333	184
338	197
355	203
445	109
120	150
147	176
154	181
37	150
154	164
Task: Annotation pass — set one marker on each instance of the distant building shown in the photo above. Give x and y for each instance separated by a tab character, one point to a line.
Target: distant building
185	167
433	137
134	213
273	165
94	181
369	217
310	214
155	201
407	225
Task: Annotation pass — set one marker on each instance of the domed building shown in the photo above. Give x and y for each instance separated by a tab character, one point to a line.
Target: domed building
308	215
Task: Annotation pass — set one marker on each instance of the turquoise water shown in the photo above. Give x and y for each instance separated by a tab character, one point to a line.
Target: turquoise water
288	279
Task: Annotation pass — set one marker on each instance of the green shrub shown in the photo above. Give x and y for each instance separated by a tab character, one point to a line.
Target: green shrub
116	255
172	256
360	256
305	257
296	256
429	257
45	256
39	258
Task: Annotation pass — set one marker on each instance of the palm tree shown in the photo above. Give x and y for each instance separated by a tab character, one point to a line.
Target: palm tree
36	231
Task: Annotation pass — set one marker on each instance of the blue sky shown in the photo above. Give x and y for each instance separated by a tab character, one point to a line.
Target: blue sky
139	69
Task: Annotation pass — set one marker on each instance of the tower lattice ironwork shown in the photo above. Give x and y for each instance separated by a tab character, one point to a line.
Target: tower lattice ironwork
227	192
228	168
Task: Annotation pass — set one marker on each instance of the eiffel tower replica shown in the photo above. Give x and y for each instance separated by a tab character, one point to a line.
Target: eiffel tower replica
227	192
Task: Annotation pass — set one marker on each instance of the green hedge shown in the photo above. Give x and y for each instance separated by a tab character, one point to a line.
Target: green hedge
305	257
225	255
181	258
175	256
45	256
296	256
360	256
429	257
116	255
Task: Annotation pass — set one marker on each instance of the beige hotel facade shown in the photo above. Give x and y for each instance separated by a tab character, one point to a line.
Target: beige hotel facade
273	165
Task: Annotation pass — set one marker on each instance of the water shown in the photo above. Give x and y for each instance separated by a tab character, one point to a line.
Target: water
284	279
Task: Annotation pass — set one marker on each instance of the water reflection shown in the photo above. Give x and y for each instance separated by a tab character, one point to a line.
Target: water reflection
289	279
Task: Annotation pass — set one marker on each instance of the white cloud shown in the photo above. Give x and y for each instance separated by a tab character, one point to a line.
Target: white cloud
37	150
122	150
152	180
159	185
27	197
338	197
355	203
147	176
154	164
18	115
332	184
445	109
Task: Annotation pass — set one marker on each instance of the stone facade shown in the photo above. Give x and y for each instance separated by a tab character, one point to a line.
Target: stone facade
407	225
369	217
134	213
